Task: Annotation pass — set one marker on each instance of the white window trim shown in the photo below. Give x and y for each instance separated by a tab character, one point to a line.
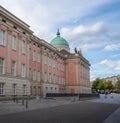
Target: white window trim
38	76
14	69
34	75
2	88
23	46
23	70
14	42
14	89
2	66
24	89
2	37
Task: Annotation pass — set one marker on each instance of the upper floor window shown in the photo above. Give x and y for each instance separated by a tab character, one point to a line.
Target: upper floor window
34	75
34	55
23	70
30	73
30	53
2	37
14	42
13	68
2	88
45	59
23	47
45	76
38	57
38	76
1	65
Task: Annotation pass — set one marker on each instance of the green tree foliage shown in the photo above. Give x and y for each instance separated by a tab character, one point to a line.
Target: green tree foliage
108	85
101	84
98	84
117	85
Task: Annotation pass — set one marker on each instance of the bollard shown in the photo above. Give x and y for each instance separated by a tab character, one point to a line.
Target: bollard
16	100
26	103
22	101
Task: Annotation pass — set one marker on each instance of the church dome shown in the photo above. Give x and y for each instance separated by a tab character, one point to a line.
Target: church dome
59	42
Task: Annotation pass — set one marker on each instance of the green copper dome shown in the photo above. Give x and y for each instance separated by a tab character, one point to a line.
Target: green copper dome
59	41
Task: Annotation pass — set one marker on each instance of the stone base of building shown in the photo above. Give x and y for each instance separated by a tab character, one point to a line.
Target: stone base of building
78	89
8	90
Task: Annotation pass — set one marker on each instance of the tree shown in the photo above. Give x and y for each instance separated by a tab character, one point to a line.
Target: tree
98	84
117	85
102	85
108	85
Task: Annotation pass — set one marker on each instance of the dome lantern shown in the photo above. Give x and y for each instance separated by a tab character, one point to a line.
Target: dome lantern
58	33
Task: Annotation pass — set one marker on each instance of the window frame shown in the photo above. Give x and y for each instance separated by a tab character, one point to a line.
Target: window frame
2	88
2	37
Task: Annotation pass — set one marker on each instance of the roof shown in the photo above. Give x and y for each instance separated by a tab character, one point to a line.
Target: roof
59	41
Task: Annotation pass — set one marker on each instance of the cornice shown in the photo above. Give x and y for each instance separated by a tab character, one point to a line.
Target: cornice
9	16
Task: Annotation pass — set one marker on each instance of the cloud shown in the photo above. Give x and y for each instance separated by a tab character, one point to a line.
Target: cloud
116	55
105	68
110	65
112	47
96	28
45	16
86	37
91	27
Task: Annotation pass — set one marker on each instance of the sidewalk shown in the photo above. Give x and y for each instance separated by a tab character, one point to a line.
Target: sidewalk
7	107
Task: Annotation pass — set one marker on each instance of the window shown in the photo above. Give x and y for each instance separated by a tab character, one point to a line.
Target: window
23	47
30	53
50	77
45	76
13	68
23	70
2	37
45	59
30	73
38	57
2	87
24	90
14	89
34	55
38	76
1	65
34	75
14	42
49	61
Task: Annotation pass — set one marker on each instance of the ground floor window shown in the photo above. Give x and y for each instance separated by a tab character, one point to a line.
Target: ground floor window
2	88
14	89
24	90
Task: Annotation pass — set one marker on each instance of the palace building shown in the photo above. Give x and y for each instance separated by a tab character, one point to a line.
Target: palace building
31	66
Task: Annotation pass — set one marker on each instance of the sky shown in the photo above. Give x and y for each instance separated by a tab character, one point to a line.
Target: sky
90	25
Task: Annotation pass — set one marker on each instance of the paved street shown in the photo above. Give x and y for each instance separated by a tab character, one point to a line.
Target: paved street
84	112
102	110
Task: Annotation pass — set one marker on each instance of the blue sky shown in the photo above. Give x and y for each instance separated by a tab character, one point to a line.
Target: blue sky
92	25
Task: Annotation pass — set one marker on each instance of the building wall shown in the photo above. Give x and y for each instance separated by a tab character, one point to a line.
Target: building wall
35	67
78	76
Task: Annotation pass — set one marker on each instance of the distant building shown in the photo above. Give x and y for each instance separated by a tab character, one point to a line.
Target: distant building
31	66
114	79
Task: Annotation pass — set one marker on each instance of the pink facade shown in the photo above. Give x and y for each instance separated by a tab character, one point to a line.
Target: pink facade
32	66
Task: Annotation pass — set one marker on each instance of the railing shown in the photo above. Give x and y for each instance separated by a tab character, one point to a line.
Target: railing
71	95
